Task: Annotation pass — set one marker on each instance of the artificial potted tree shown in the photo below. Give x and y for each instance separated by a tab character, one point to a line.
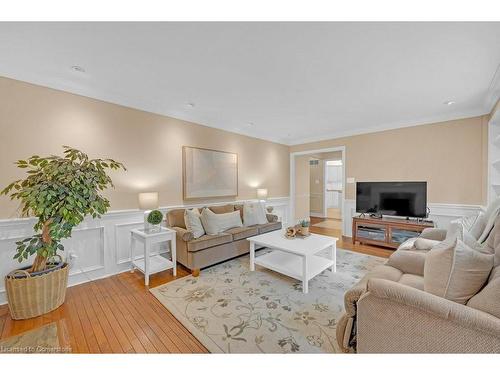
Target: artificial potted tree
59	192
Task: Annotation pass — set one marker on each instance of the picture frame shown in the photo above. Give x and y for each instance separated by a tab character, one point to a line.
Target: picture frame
208	173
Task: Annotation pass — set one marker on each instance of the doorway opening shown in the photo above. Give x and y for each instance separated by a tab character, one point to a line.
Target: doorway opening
317	189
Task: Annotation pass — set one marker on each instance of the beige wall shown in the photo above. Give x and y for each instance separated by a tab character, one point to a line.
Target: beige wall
450	156
38	120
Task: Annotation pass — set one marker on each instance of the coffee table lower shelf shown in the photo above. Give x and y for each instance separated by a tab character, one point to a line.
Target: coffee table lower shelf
292	265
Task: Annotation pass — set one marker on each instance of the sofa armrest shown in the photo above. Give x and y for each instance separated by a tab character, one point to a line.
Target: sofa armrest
393	317
435	234
183	234
272	218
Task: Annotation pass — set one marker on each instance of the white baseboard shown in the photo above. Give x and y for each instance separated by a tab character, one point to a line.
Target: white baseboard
101	245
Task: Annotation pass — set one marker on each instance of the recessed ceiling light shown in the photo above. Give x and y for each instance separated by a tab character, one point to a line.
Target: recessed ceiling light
250	124
78	69
190	105
449	102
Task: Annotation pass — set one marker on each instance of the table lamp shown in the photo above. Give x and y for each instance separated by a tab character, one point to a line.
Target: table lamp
262	194
148	202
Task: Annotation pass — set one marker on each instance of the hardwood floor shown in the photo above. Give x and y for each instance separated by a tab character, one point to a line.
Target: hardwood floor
119	315
114	315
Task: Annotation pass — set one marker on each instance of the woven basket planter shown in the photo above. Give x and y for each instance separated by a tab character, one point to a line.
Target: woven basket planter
30	296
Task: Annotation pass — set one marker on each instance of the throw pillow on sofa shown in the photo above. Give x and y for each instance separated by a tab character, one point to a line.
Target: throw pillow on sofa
192	220
217	223
455	271
254	213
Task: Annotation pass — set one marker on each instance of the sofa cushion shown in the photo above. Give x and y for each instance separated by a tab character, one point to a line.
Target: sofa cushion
415	281
222	209
254	213
175	218
268	227
243	232
206	241
488	299
192	219
455	271
239	207
217	223
408	261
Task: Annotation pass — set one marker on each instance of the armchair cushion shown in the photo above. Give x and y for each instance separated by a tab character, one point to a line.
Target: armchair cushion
435	234
490	216
434	305
455	271
488	299
425	243
408	261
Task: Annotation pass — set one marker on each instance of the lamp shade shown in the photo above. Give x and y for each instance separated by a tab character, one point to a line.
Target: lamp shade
148	201
262	193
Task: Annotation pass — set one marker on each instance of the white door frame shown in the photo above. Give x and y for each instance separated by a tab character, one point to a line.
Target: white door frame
292	176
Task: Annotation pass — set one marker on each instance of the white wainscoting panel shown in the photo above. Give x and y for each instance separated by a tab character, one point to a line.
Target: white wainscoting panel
101	246
441	213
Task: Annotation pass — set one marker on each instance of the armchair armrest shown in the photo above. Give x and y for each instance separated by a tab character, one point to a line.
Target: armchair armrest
393	317
435	234
183	234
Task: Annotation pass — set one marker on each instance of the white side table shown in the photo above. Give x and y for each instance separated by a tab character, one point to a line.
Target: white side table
149	264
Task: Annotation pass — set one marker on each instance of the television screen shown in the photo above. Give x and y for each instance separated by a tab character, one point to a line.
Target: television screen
392	198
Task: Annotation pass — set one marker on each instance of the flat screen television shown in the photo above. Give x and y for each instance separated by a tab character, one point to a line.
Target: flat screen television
407	199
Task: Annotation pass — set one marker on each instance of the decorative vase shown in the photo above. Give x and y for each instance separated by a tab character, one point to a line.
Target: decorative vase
304	231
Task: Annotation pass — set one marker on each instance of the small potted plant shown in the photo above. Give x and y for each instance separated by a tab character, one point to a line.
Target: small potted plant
59	192
154	219
304	226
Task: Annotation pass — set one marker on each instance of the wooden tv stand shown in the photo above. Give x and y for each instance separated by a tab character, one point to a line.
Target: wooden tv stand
386	232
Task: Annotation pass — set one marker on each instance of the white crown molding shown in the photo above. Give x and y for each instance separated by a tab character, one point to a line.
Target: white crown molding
435	120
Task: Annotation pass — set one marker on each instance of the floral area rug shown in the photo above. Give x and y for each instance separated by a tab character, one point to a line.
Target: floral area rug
232	310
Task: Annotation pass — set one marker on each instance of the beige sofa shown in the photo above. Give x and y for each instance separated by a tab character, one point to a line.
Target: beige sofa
388	311
211	249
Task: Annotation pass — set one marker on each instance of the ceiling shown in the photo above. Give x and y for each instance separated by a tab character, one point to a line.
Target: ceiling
286	82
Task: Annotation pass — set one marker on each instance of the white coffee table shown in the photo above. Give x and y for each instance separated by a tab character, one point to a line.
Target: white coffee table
294	257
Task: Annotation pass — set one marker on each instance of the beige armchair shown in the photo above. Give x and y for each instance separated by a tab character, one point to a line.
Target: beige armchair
388	311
